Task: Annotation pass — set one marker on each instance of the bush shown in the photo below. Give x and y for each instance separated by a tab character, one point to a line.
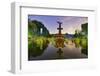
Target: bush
84	43
66	40
77	42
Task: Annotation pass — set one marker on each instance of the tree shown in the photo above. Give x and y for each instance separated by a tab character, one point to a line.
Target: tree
85	28
76	33
34	27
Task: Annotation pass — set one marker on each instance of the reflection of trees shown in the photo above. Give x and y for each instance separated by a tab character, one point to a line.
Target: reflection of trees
83	43
84	51
36	47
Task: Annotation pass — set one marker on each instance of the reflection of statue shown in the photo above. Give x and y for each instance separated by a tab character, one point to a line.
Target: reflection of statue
60	52
59	37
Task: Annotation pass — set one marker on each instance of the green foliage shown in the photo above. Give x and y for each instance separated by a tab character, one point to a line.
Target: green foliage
84	43
81	39
77	42
83	32
66	40
37	42
36	46
85	28
35	26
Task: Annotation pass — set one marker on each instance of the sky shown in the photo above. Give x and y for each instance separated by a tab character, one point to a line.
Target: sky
69	23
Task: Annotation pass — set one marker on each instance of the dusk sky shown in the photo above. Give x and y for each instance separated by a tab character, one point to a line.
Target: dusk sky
69	23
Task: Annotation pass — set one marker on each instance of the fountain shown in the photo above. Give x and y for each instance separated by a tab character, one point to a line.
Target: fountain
59	37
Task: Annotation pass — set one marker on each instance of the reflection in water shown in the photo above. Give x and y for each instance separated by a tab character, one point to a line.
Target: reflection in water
51	52
60	53
34	50
84	51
